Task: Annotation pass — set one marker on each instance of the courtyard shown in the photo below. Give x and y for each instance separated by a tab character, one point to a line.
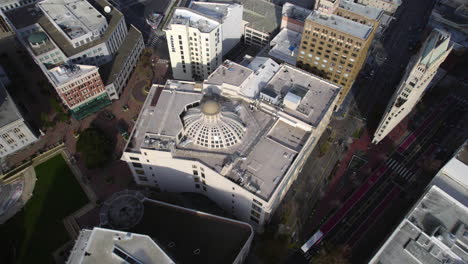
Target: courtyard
33	234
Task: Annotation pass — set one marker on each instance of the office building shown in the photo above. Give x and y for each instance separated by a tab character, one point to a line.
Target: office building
336	40
158	232
450	16
15	134
436	228
334	48
57	32
80	87
217	140
389	6
418	76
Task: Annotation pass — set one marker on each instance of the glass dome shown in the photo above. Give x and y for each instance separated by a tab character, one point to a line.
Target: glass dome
211	126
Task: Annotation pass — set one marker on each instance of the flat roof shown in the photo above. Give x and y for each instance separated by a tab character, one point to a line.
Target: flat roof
111	70
229	73
285	46
8	111
264	69
75	17
98	245
217	11
262	15
362	10
180	232
160	123
295	11
341	24
433	232
28	15
194	19
68	72
317	94
160	233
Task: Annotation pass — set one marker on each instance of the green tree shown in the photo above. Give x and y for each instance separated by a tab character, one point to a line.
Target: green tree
96	147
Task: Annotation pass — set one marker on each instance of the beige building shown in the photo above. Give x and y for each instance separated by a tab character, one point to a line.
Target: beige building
417	79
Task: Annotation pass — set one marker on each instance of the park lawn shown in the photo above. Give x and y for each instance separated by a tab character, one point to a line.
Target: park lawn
37	230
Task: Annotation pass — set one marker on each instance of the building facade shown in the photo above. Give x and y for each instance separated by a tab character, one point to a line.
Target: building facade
15	134
417	79
80	87
92	34
334	48
212	138
195	44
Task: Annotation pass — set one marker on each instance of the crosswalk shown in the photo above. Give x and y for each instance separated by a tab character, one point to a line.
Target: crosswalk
399	169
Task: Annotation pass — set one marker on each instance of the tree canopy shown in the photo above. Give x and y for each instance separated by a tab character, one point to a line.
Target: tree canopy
95	146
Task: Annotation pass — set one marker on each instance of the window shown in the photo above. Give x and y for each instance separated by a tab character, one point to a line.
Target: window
255	220
137	165
195	173
197	186
134	158
142	172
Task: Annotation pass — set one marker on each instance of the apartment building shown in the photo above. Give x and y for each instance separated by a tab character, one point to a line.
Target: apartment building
59	32
389	6
230	17
418	76
80	87
12	4
15	134
195	44
213	139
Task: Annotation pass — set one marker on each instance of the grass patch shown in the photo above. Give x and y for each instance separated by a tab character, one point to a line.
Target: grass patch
37	230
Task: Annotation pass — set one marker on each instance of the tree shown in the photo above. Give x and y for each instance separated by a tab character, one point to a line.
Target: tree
95	146
333	255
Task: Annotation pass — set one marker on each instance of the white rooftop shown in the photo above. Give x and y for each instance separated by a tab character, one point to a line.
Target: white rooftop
194	19
69	72
217	11
263	70
75	18
436	229
159	125
363	10
107	246
285	46
341	24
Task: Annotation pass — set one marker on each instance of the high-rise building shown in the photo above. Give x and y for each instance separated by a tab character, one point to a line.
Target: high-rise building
217	140
195	44
335	48
336	39
14	132
198	37
419	73
229	15
436	228
57	32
